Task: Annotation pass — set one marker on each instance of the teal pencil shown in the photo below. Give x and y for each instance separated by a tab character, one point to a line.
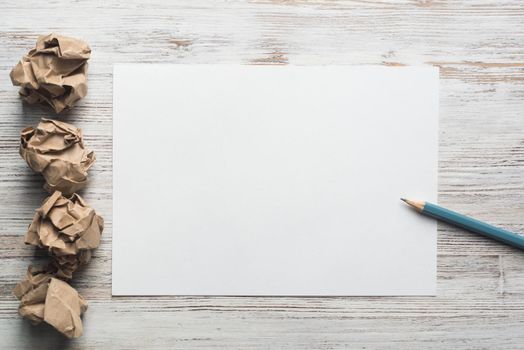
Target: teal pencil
467	223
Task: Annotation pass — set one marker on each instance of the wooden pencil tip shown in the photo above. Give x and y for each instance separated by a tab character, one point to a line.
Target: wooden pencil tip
415	204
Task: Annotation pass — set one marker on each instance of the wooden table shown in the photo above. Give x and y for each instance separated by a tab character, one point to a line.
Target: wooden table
479	47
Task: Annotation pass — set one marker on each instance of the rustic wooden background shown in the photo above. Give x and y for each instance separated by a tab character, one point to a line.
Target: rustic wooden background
479	47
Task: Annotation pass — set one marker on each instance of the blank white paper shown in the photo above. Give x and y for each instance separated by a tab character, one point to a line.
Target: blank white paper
264	180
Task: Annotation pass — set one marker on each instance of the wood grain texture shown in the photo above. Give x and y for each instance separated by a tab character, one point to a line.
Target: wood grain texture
479	47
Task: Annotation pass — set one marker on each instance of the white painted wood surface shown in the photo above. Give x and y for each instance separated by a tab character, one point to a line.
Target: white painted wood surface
479	45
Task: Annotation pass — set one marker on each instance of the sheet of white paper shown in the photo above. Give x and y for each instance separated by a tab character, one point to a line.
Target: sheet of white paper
264	180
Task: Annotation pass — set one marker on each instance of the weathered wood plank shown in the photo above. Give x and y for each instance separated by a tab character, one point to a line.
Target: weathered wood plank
479	47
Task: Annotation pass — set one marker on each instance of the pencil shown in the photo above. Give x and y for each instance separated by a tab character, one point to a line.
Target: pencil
465	222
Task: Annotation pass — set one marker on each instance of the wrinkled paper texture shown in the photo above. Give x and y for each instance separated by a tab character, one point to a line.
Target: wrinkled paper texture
68	229
45	298
56	150
64	266
54	72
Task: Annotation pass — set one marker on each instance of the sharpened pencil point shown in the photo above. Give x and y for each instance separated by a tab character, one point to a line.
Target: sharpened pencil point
415	204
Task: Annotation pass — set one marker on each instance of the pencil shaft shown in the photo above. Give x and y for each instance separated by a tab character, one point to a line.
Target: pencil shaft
474	225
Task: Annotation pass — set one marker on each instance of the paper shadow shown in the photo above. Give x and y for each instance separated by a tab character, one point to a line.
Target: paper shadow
41	336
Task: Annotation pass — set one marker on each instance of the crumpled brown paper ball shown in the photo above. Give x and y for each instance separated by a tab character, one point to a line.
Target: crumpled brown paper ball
68	229
56	150
45	298
64	266
54	72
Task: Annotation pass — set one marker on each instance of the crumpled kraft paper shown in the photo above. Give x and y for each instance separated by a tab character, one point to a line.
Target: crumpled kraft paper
45	298
56	150
68	229
54	72
32	292
64	266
